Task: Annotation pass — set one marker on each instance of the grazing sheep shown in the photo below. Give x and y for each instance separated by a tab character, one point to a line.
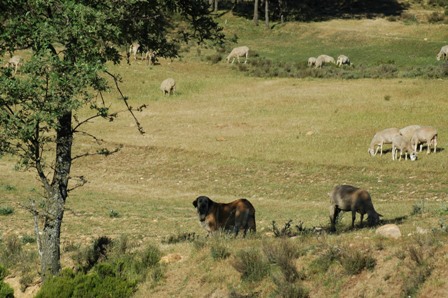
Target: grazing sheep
380	138
354	199
15	62
151	57
443	54
133	49
426	134
401	143
408	131
168	86
322	59
342	59
237	53
311	61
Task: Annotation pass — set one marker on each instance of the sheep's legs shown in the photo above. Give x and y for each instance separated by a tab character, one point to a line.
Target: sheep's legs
334	212
353	218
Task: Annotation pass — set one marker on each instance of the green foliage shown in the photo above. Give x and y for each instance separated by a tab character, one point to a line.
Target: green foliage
114	214
219	251
6	210
114	272
151	256
6	291
3	272
28	239
251	264
103	284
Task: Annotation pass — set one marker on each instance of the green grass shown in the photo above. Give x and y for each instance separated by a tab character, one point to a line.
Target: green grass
282	143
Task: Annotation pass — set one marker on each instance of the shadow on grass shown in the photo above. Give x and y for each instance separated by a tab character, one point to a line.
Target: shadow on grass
311	10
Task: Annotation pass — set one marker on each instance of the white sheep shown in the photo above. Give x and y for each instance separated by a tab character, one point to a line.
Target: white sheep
311	61
133	50
15	62
443	54
380	138
342	59
426	134
401	143
168	86
322	59
237	53
354	199
408	131
151	57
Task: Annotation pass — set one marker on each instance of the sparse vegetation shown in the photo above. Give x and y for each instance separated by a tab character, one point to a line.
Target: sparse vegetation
276	132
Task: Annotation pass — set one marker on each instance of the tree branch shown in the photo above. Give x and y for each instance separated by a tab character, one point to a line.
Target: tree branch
125	100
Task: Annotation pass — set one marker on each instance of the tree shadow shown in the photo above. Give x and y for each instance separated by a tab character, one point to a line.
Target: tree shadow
323	10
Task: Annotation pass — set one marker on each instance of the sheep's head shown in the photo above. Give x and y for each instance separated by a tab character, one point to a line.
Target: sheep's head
374	218
371	151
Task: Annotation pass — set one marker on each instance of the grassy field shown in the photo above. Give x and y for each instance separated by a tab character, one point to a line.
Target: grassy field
282	143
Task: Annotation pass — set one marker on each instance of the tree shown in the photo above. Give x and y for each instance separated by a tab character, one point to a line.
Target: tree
70	44
266	13
256	12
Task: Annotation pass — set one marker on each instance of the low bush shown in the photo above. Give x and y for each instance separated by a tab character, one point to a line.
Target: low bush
355	262
251	265
6	210
5	290
219	251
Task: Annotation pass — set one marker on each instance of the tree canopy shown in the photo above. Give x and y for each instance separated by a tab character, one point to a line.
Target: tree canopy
68	45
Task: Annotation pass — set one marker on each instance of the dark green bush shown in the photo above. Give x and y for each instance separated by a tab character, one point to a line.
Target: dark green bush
6	211
6	291
102	282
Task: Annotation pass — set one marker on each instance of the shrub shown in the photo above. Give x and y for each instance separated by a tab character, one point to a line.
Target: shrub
283	253
28	239
323	262
151	256
355	262
6	291
436	17
287	289
6	211
418	208
214	59
114	214
251	265
219	251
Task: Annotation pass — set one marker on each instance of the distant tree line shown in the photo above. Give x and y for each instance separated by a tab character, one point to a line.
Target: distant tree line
308	10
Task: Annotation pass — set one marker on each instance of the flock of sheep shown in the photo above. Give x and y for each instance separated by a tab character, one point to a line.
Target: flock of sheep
168	86
323	59
404	140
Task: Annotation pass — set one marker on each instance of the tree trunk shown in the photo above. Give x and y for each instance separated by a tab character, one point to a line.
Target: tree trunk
56	196
216	6
256	13
266	13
